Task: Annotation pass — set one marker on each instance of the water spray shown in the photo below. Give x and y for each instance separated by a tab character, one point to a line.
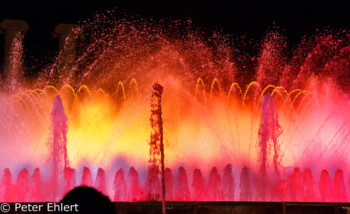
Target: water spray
156	143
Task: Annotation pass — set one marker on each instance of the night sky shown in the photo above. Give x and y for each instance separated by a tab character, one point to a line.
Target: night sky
233	17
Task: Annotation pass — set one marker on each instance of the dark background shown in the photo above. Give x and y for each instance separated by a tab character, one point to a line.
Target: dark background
294	18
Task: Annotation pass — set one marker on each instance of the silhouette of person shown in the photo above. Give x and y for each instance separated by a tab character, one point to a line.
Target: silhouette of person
89	201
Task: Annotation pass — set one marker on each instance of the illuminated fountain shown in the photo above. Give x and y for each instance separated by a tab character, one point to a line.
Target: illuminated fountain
278	133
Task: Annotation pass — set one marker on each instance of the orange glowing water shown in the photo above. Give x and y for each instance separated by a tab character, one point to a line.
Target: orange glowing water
222	127
211	114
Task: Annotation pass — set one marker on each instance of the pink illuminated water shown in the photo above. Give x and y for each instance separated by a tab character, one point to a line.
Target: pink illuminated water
273	126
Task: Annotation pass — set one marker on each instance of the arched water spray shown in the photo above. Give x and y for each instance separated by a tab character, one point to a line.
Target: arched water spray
133	86
198	84
120	86
249	86
232	88
215	82
104	136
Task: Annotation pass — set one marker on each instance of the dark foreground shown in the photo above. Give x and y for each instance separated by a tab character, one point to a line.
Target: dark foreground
234	208
222	208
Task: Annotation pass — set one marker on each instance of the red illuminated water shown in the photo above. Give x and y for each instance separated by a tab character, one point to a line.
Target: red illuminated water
267	126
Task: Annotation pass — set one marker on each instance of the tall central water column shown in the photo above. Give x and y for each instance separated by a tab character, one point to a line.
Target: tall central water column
269	130
156	160
59	141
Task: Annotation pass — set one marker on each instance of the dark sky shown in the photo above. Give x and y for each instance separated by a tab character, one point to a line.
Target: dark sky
234	17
